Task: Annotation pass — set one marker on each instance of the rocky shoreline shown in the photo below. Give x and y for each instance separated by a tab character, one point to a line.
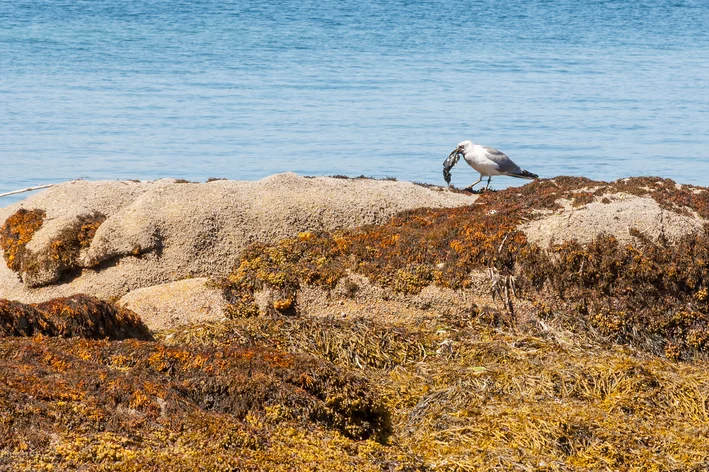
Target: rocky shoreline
356	324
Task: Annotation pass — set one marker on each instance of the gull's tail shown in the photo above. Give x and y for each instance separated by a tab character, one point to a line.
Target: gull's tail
524	174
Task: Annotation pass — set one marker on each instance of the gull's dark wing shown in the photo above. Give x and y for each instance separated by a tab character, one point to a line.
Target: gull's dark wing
504	163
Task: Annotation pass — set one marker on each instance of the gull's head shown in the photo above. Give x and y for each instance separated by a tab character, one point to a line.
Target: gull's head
462	147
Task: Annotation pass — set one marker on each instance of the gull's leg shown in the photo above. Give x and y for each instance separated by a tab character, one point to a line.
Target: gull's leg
475	183
488	181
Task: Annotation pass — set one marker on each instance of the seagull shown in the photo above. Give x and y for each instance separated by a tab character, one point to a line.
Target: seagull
486	160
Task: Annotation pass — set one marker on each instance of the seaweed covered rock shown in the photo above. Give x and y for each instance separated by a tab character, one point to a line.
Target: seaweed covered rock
646	290
184	408
612	211
41	268
16	233
452	339
70	213
108	238
77	316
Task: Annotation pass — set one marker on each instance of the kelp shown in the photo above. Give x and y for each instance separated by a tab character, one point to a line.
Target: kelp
136	403
467	396
76	316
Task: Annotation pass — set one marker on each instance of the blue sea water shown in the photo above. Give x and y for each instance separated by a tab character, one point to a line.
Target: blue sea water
143	89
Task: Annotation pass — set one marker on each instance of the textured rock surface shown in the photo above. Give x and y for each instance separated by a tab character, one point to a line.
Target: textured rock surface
176	303
615	215
163	231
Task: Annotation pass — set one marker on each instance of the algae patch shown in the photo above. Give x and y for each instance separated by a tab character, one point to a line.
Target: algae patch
60	257
16	233
77	316
143	404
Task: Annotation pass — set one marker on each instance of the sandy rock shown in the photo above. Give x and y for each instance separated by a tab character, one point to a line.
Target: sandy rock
622	213
355	295
163	231
203	226
176	303
64	204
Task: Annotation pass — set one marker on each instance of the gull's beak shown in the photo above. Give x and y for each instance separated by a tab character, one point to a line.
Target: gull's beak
455	151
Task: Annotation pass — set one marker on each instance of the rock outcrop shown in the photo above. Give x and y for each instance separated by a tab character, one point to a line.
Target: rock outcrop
107	238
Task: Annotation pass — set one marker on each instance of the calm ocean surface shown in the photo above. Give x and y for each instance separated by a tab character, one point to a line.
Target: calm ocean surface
105	89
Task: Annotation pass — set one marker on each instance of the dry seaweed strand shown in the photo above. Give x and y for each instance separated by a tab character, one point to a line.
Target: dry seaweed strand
498	401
